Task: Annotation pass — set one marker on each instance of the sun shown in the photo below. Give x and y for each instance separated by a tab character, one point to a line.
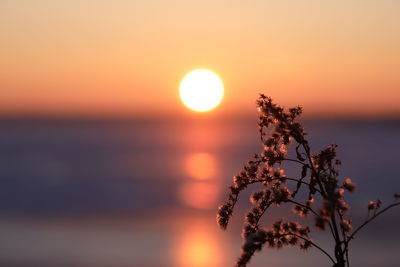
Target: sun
201	90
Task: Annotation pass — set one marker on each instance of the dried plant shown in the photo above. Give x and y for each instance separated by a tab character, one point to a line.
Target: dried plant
322	190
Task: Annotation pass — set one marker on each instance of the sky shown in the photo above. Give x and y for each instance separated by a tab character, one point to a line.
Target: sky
127	58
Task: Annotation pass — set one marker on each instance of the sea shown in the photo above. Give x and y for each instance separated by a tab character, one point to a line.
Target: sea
144	192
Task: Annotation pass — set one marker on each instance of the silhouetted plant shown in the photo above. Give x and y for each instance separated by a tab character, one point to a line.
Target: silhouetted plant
318	178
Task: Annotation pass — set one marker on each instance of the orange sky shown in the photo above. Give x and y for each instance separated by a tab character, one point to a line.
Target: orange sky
71	57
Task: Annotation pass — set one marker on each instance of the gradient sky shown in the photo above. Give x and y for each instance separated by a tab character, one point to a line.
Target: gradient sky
71	57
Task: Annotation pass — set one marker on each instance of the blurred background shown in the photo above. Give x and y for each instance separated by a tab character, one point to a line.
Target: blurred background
102	165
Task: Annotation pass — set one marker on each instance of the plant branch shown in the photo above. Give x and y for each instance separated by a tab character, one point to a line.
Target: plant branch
307	149
304	206
295	160
369	220
287	178
315	245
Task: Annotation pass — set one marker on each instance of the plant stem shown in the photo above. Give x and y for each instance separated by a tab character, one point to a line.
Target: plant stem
338	247
345	240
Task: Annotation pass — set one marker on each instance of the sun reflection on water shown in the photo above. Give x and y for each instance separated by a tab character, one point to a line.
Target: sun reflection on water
199	195
201	166
201	190
197	245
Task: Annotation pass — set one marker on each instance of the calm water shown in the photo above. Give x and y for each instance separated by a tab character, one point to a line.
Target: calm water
144	193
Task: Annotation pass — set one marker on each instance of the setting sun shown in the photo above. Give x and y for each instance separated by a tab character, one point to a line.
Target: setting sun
201	90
